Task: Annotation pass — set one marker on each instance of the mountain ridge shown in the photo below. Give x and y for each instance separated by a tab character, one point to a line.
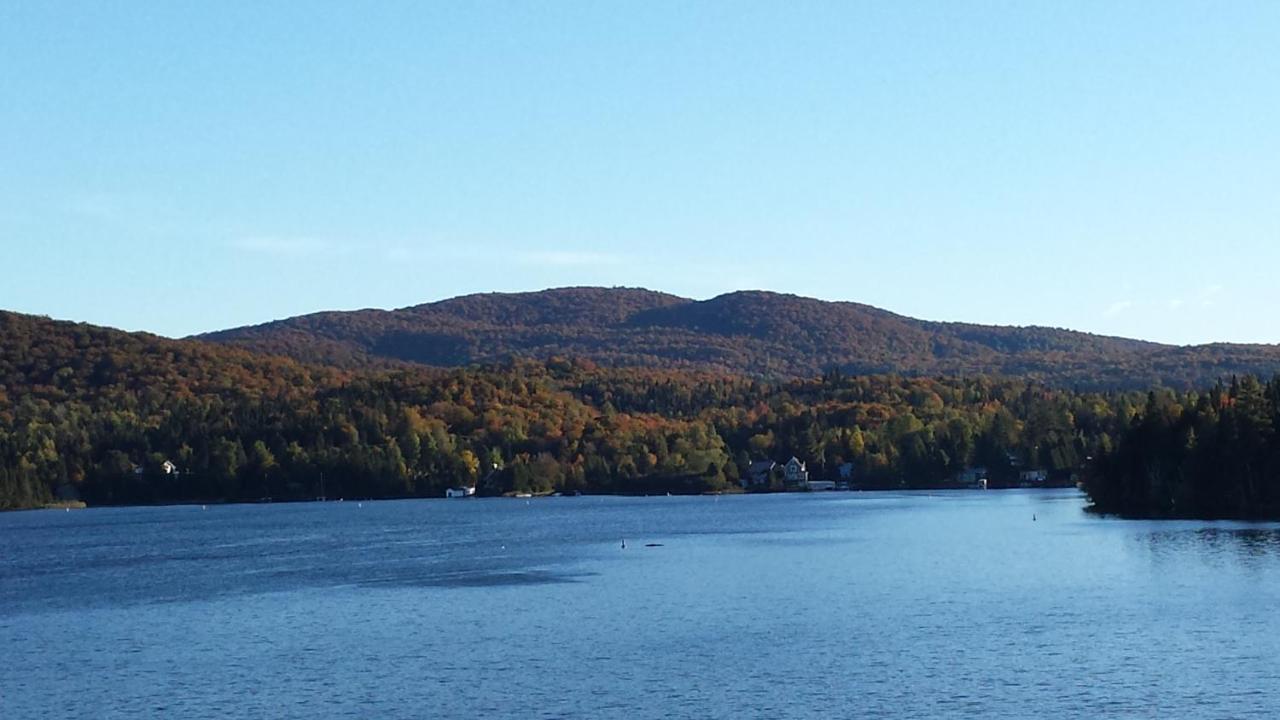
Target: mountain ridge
753	332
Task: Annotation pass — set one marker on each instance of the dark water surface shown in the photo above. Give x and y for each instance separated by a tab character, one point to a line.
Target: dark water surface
903	605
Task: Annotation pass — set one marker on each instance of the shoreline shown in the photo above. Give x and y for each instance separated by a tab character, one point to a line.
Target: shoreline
82	505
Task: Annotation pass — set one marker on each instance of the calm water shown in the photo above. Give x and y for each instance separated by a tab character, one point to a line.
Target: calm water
832	605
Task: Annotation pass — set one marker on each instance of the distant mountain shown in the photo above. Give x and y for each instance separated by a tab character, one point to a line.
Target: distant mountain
758	333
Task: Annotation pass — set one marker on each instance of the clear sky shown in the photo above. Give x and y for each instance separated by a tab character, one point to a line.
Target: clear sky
187	166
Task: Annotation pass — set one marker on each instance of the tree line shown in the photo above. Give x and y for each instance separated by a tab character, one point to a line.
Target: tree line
1213	454
105	416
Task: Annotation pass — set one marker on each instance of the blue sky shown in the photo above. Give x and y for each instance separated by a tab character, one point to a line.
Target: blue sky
181	167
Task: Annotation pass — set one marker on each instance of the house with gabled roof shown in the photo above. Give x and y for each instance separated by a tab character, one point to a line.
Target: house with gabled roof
758	473
795	476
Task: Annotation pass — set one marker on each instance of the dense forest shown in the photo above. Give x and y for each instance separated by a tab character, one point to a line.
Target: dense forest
113	417
759	334
1212	454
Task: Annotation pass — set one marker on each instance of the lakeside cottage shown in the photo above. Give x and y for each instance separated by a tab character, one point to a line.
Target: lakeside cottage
758	473
167	467
795	476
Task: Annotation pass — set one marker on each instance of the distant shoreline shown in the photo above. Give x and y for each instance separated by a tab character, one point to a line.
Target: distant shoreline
81	505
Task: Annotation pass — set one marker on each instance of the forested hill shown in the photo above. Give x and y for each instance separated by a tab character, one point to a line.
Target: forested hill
760	334
113	417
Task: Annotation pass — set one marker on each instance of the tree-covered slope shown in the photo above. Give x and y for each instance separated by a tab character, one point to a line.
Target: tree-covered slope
94	413
756	333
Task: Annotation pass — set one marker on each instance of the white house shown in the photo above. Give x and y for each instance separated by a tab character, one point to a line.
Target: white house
169	468
459	492
794	474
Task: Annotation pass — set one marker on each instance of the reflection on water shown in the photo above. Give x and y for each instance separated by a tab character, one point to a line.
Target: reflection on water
1224	542
1248	541
917	605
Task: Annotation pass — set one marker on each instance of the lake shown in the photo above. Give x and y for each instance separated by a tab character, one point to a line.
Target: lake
903	605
